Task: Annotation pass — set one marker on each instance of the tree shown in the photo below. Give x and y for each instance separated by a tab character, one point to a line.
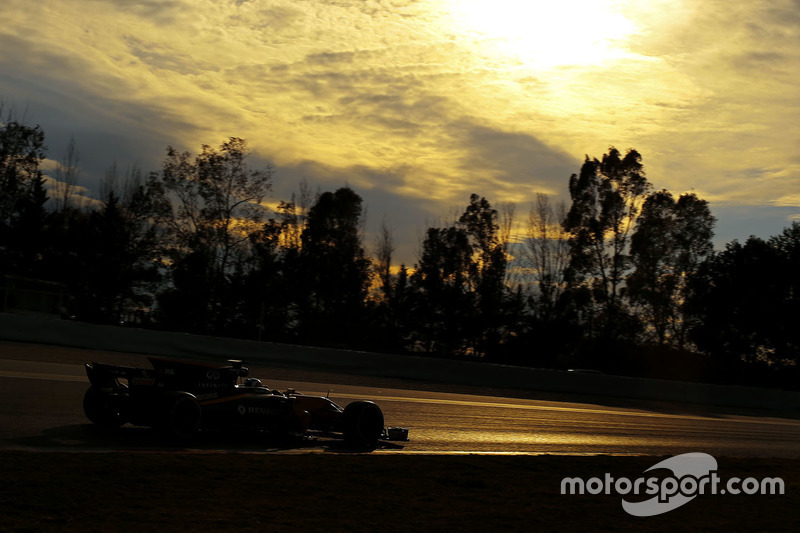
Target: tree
547	254
746	303
385	305
384	248
487	270
67	173
672	238
459	284
22	195
213	202
21	152
334	270
109	256
606	200
443	303
294	214
787	340
265	289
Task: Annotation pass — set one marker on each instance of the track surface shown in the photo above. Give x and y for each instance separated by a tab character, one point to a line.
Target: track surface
40	409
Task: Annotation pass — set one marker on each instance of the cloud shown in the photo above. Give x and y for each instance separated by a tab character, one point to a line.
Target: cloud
394	98
513	165
159	12
792	200
744	60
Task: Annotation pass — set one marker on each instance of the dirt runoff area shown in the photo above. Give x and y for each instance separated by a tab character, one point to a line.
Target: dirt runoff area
241	492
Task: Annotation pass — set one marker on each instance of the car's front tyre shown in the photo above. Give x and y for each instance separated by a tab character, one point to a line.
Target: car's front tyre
362	424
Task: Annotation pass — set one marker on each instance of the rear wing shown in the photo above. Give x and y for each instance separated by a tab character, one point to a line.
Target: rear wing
105	376
168	374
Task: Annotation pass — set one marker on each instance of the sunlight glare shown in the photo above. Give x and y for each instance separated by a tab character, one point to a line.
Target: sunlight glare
547	34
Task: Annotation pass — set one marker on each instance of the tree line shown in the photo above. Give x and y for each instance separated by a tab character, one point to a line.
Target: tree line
623	279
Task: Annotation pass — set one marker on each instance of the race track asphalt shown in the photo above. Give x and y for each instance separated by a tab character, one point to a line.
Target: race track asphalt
41	408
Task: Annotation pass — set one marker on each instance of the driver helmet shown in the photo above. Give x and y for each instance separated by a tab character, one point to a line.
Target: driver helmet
252	382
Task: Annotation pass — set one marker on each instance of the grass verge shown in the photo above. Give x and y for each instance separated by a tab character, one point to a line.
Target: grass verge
136	491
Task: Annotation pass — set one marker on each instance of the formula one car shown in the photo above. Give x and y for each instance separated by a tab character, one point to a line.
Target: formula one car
183	398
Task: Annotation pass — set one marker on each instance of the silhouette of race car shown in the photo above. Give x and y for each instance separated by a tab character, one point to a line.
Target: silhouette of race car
183	399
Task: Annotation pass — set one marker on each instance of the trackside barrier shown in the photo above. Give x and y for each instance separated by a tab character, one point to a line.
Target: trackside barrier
26	328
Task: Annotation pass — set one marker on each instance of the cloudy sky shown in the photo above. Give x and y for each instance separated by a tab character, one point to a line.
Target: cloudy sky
418	103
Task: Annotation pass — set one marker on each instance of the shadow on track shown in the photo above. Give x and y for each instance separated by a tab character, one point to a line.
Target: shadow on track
91	438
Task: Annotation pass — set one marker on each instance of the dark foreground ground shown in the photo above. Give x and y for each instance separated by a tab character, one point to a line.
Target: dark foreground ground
241	492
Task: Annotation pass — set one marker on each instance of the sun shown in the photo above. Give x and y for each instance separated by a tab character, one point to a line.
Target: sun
546	34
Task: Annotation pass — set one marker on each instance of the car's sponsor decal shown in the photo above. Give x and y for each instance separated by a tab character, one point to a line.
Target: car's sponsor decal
226	399
262	411
207	385
207	396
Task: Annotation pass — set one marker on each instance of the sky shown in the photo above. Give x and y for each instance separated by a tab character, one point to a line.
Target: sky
416	104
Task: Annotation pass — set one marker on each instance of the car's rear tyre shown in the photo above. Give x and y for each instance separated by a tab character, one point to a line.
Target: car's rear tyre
362	424
181	416
103	408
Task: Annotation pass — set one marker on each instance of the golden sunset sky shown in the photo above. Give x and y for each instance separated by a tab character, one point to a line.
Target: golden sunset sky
418	103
